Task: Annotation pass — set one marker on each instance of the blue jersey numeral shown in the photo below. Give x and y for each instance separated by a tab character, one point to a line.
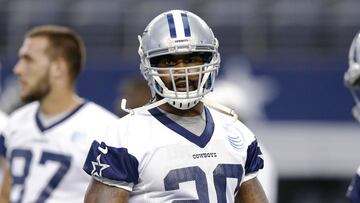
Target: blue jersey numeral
223	171
176	176
26	155
64	162
194	173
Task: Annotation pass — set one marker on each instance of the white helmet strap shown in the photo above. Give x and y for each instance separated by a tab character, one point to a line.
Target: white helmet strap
212	104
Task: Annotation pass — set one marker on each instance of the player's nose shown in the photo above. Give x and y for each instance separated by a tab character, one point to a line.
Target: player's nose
18	69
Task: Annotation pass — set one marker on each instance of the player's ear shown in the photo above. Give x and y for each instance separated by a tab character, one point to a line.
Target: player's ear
59	68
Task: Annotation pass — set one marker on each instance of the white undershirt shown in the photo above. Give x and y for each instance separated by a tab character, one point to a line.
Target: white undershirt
48	120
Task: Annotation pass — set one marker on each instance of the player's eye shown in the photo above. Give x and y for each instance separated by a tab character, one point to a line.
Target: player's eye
26	58
195	59
162	61
167	61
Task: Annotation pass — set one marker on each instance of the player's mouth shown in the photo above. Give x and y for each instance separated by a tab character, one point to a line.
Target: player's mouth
22	83
181	85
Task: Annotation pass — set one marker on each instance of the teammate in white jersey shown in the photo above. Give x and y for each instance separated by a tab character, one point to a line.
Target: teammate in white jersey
46	141
176	149
352	81
3	166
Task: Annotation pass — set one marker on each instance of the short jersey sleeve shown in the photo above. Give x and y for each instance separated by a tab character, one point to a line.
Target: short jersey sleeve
111	164
254	160
353	192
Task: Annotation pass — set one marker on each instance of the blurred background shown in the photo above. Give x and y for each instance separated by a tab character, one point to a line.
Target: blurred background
282	65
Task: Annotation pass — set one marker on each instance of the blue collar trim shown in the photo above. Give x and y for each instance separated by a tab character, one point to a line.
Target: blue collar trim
201	140
41	126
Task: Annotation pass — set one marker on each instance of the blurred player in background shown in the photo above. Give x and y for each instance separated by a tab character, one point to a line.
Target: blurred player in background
4	170
352	81
176	149
46	141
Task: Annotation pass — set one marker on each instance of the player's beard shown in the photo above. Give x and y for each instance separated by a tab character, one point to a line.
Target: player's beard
40	90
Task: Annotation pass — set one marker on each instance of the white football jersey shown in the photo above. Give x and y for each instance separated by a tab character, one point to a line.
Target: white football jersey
46	162
160	161
3	120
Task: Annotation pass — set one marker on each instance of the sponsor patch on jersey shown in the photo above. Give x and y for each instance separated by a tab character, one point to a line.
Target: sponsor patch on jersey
236	141
234	137
78	136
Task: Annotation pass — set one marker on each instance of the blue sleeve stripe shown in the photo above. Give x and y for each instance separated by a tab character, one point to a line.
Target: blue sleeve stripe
2	146
253	161
353	192
111	163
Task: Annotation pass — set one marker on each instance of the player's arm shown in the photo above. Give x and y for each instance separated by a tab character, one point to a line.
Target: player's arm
251	191
114	173
5	185
98	192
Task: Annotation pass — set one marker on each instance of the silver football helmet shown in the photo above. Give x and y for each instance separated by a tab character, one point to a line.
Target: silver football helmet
179	32
352	75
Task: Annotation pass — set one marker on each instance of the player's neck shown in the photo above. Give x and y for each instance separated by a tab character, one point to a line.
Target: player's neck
58	102
195	111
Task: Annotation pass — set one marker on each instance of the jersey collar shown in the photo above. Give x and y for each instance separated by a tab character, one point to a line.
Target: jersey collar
42	128
201	140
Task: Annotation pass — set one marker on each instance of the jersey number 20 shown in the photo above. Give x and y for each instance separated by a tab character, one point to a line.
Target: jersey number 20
194	173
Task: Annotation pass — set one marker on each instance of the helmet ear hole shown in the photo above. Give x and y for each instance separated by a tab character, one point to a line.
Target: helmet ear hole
208	57
154	61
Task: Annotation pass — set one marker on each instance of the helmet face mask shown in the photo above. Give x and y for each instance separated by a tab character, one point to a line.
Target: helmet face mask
179	33
352	75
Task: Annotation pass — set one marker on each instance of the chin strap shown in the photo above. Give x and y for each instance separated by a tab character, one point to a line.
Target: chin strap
211	104
143	108
220	107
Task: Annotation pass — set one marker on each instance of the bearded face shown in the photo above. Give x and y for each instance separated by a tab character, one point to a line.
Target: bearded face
33	69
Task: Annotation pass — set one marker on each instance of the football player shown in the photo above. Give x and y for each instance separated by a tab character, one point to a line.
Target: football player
4	170
46	141
352	81
178	148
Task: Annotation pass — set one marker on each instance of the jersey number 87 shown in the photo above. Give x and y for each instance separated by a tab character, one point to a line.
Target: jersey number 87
63	161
